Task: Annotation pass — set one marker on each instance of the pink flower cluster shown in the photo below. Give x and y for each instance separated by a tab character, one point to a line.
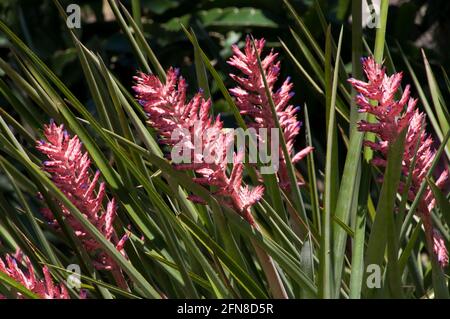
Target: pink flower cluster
45	288
393	118
69	168
169	111
251	98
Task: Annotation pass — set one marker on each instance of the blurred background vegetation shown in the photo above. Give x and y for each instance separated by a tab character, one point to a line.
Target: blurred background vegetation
412	24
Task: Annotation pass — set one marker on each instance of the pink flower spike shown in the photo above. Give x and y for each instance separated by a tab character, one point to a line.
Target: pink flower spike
69	168
168	112
251	98
393	116
45	288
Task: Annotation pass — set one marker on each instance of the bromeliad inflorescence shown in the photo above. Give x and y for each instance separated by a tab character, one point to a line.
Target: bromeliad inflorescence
44	288
69	168
392	118
252	100
182	125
